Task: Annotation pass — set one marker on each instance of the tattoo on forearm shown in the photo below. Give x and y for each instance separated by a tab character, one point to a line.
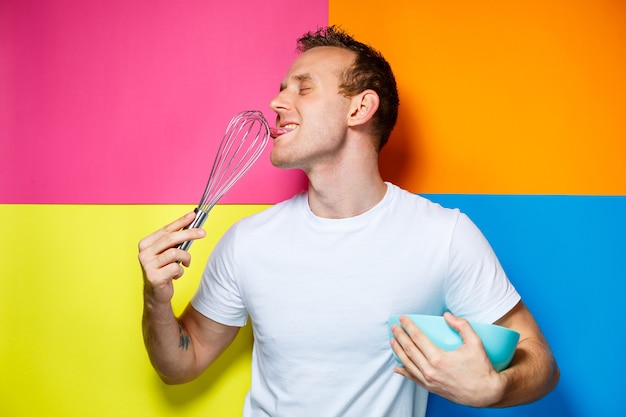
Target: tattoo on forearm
184	340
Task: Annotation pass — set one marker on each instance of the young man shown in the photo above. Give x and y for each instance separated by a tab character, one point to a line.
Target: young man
320	274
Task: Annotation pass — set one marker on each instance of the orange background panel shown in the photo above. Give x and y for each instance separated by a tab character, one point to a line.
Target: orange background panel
502	97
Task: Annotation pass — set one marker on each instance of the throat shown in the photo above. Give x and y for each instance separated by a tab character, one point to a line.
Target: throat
345	203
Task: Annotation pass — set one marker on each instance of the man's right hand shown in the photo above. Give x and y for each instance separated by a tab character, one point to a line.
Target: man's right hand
161	260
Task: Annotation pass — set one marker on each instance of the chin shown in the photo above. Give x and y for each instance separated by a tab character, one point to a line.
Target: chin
280	161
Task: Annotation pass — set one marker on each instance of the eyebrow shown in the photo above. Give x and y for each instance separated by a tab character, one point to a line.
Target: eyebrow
299	78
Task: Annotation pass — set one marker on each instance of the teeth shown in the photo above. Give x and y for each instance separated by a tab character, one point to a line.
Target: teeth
291	126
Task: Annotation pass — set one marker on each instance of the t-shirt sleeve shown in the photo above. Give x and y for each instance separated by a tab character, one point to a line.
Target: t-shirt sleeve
477	288
218	296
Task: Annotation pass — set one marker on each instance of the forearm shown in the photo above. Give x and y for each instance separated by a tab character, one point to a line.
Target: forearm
533	374
167	342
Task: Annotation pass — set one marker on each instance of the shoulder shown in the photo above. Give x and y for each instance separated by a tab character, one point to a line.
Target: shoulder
421	206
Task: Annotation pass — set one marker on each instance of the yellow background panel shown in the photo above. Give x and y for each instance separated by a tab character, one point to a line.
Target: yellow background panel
71	302
502	97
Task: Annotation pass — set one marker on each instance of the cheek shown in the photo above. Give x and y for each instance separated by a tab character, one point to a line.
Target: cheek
331	120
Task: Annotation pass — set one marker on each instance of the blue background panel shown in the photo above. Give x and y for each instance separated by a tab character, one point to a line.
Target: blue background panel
566	256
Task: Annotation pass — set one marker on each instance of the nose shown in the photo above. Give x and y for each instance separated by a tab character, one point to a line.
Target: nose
279	102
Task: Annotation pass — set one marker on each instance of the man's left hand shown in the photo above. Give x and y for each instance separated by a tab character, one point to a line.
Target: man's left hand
464	376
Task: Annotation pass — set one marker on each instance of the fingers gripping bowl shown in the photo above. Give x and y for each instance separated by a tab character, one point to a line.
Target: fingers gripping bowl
499	342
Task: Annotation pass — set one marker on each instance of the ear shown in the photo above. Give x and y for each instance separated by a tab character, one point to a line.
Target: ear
363	107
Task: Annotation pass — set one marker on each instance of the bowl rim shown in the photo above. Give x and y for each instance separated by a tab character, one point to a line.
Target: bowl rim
441	318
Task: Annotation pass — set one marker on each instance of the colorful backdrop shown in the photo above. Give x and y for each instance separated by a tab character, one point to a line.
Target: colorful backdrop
111	111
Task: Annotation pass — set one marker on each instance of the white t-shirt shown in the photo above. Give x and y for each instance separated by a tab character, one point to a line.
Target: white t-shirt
319	293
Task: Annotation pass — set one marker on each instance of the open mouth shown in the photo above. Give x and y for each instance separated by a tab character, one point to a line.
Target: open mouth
279	131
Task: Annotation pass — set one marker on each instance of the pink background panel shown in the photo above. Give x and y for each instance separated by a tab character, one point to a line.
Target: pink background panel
117	102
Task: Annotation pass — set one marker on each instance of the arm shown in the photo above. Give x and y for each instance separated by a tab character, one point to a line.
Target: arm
466	376
179	349
533	372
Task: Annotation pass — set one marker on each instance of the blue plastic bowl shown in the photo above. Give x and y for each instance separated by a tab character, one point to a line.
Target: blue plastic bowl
499	342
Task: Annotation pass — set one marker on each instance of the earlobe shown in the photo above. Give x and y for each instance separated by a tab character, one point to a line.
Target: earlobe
364	106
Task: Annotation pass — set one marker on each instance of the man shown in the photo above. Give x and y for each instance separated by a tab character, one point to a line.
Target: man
320	274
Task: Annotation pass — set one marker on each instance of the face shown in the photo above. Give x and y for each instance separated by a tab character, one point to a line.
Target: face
312	116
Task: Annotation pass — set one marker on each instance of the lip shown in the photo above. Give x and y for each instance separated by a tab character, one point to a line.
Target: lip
283	129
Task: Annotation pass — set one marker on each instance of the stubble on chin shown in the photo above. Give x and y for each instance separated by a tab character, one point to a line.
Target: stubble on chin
279	160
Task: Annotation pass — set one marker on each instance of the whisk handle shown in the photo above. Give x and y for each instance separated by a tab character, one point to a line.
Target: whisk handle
197	223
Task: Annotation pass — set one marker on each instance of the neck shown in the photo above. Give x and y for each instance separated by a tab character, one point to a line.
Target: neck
346	189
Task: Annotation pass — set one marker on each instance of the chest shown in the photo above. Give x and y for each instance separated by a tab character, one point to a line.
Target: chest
321	293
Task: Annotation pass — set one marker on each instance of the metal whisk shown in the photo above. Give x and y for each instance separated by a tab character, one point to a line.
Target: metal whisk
246	136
